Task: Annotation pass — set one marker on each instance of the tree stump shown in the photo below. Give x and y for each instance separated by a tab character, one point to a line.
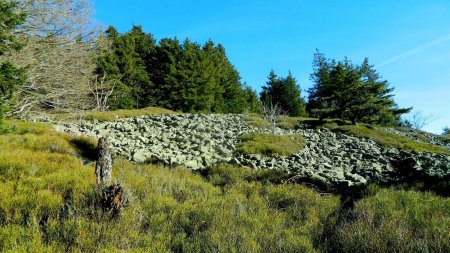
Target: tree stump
103	167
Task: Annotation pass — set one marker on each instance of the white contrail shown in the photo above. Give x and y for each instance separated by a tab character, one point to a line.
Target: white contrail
415	50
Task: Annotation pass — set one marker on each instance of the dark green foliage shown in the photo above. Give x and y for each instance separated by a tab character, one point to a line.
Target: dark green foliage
9	19
127	62
446	131
252	100
344	90
285	93
179	76
10	76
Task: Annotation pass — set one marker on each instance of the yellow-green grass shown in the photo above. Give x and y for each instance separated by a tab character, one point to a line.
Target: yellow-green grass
270	144
112	115
419	134
389	139
256	121
286	122
392	221
378	135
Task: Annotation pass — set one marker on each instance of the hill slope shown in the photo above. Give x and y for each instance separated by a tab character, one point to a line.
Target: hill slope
46	188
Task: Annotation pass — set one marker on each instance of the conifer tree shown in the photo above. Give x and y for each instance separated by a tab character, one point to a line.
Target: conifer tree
110	65
179	76
10	76
136	48
285	93
350	92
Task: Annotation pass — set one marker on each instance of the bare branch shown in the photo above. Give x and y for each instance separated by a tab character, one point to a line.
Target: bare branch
419	120
272	112
61	45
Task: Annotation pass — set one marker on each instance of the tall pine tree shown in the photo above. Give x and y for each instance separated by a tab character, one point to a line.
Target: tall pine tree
350	92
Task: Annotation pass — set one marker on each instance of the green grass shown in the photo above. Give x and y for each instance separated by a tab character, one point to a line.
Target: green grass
45	191
392	221
288	123
256	121
112	115
270	144
378	135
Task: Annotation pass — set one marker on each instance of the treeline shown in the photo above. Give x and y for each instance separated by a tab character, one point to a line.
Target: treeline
71	64
183	76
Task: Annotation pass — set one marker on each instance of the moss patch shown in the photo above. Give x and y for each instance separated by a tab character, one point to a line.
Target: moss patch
270	144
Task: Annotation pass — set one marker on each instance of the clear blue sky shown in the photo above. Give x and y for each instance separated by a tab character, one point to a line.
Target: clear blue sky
408	41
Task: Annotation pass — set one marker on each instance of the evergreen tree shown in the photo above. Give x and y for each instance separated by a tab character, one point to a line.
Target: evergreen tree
292	102
446	131
356	93
252	100
137	47
184	77
129	59
284	92
110	65
10	76
268	89
168	54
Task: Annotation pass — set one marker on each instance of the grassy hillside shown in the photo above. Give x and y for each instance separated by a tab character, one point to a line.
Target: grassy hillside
46	188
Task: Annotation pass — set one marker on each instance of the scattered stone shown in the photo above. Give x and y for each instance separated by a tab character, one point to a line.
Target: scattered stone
197	141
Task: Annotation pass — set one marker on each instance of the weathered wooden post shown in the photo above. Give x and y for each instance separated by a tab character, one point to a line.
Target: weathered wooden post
103	167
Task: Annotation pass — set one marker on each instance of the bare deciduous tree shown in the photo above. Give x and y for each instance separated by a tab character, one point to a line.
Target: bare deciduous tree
272	113
102	88
419	120
61	46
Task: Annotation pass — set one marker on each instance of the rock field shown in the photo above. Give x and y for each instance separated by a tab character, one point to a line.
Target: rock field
195	141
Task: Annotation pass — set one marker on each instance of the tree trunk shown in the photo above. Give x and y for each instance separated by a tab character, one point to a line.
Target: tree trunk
103	167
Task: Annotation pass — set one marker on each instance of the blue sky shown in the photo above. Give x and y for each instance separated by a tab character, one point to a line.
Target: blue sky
408	41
